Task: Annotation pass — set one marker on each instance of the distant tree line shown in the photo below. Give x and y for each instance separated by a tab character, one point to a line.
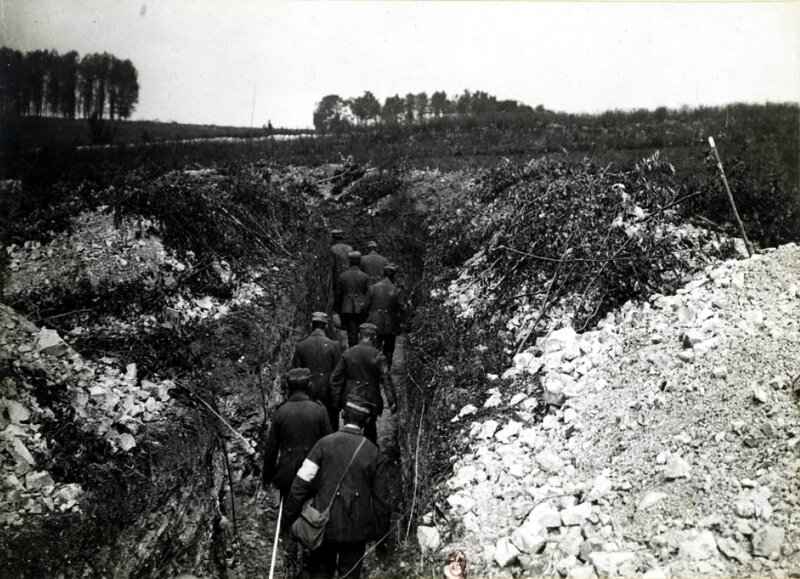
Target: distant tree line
335	114
44	83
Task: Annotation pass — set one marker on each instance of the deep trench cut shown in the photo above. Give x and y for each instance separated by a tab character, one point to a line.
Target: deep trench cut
396	224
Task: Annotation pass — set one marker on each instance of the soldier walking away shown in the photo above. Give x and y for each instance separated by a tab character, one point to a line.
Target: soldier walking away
387	311
349	474
373	263
350	297
297	425
359	375
319	354
339	251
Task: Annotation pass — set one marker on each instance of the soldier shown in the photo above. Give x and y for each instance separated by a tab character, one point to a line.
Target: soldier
373	263
319	354
350	476
338	252
386	309
359	375
297	425
351	294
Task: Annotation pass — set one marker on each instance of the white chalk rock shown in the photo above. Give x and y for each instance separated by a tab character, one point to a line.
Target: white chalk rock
466	410
204	303
428	538
768	541
509	431
543	516
50	343
733	550
527	362
494	399
560	340
577	514
607	563
649	499
529	538
657	573
581	572
125	442
549	461
16	412
488	429
676	468
505	552
517	398
600	488
699	548
37	480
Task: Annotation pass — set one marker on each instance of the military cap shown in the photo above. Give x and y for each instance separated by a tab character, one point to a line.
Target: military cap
354	256
319	317
372	245
362	406
336	232
389	268
368	329
298	376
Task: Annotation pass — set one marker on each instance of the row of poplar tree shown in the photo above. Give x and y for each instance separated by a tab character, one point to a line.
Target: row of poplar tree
334	113
44	83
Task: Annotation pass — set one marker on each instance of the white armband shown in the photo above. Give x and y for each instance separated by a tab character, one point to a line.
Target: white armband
308	470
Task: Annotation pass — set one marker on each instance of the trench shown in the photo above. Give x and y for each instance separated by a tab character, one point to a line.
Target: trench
396	228
189	500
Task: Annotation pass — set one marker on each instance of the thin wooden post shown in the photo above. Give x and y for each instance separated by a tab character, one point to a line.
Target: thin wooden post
747	245
275	544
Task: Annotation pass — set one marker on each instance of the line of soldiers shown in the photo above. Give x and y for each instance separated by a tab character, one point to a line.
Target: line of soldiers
303	455
304	458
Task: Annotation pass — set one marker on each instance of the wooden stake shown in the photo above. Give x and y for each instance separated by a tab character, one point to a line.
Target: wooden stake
730	198
275	544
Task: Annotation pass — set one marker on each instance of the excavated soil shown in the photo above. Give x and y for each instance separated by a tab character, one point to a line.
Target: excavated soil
670	447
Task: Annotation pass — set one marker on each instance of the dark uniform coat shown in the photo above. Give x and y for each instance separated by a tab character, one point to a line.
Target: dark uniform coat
339	260
351	291
386	307
319	354
297	425
362	507
372	264
360	373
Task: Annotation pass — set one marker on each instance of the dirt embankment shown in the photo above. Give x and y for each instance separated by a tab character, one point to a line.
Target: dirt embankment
121	356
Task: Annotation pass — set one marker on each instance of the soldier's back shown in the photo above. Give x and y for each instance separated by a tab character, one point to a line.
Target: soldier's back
339	252
352	517
372	264
385	307
353	286
300	423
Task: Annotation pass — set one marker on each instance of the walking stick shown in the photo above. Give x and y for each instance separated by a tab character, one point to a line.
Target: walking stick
275	544
747	245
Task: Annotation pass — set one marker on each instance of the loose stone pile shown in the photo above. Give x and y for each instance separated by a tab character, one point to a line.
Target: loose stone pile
670	447
102	400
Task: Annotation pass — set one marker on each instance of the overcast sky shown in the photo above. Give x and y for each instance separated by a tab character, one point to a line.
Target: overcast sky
200	61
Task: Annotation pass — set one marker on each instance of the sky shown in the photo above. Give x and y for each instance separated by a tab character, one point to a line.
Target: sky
219	62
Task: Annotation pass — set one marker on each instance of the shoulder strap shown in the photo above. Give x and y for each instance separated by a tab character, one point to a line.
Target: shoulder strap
336	490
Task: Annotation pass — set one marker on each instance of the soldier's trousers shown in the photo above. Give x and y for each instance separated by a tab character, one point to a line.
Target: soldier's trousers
351	323
290	547
385	343
371	430
333	556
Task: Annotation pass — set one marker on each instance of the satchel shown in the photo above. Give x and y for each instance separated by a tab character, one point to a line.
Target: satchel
309	527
